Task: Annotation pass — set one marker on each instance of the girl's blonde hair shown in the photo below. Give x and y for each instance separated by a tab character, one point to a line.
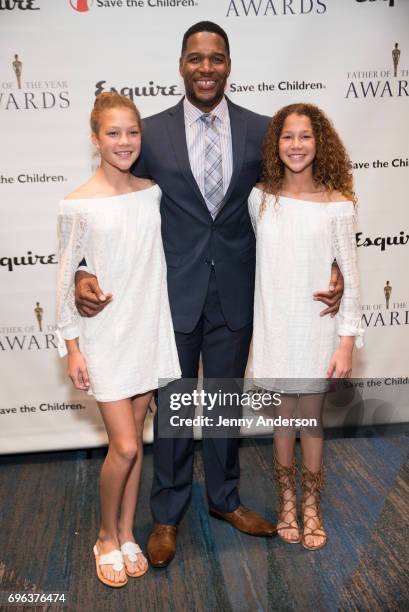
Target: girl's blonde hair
107	100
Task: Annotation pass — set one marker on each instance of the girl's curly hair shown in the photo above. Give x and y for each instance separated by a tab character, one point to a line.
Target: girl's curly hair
331	169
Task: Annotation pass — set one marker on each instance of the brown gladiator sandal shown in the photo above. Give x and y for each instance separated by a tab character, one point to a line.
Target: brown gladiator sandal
285	479
312	484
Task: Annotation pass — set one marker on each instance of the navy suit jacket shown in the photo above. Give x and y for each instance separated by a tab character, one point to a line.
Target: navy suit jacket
191	238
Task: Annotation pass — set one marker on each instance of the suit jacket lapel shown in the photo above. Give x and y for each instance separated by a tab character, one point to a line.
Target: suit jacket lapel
177	132
176	126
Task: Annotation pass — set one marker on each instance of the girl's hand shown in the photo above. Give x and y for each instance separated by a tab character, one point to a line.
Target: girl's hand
77	370
341	360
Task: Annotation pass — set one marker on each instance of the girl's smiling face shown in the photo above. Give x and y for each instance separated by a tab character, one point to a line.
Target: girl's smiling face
119	138
297	146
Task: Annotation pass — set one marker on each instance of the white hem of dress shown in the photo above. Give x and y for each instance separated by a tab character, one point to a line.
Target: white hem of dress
130	393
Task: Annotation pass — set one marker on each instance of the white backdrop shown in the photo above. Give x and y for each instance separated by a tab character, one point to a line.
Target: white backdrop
334	53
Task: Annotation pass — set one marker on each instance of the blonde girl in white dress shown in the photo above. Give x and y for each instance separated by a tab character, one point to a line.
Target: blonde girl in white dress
303	213
121	356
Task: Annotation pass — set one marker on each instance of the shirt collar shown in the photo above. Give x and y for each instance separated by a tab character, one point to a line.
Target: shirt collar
192	113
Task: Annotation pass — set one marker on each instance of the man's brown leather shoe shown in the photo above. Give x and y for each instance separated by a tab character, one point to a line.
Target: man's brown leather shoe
161	545
246	520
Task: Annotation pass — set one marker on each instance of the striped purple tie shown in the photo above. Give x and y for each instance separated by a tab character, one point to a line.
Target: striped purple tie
213	179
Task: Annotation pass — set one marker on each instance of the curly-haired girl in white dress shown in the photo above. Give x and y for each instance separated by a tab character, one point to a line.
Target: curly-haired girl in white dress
303	213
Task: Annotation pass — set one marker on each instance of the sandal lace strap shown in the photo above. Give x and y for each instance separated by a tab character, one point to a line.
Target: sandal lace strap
285	478
312	485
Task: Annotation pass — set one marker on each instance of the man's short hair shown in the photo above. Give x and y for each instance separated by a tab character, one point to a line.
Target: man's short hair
205	26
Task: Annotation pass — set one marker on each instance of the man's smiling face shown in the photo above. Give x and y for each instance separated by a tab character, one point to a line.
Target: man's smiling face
205	67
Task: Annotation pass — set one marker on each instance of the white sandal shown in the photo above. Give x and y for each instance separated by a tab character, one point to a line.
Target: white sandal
113	558
131	550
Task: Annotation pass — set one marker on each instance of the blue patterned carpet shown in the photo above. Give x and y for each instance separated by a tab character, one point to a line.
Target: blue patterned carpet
49	521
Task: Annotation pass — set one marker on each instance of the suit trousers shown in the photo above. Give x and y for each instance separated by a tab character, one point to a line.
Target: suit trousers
224	356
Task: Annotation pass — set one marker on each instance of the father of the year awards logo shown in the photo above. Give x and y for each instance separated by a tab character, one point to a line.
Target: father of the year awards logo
274	8
34	334
390	310
389	81
25	91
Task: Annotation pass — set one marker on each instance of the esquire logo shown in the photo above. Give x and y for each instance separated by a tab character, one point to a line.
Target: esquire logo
30	259
22	5
382	242
24	91
271	8
387	82
151	89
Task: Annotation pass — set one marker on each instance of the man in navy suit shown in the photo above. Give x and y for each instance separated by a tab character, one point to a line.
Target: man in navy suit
205	154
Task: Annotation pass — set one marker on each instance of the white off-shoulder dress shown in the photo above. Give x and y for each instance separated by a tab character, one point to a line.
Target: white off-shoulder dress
129	347
297	241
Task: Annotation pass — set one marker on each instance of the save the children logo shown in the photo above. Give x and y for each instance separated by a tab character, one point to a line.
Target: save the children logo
33	177
81	6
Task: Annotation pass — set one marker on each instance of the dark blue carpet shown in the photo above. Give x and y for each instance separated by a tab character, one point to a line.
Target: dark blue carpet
49	521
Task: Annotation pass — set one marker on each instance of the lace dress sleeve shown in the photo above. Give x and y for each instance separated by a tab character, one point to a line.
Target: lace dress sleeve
345	252
72	236
252	206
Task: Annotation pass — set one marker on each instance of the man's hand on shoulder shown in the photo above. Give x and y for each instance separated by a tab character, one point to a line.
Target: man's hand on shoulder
89	297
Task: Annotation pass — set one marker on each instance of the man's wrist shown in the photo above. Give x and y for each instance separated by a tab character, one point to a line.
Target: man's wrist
80	274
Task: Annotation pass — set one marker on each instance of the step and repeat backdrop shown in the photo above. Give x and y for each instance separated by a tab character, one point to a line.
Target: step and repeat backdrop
351	57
